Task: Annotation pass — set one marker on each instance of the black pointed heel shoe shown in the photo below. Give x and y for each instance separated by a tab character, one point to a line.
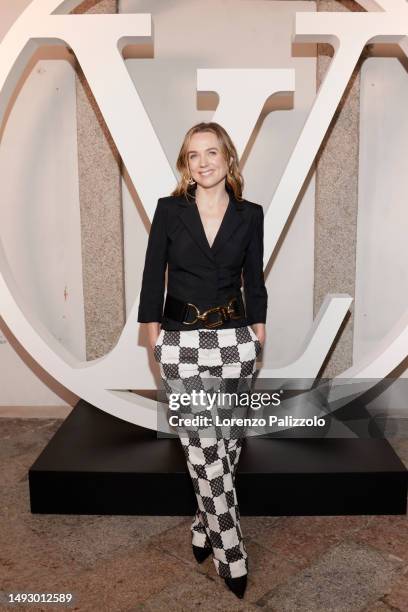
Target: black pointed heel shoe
201	554
237	585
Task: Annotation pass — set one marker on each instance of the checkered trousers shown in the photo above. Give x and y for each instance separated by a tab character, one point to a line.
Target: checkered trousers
212	360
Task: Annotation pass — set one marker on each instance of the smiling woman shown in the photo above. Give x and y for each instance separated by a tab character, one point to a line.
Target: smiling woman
210	237
208	152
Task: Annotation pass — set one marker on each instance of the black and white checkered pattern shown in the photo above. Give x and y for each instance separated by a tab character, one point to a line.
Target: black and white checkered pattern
225	360
182	351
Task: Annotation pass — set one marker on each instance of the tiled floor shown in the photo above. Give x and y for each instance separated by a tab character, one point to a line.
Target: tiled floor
130	563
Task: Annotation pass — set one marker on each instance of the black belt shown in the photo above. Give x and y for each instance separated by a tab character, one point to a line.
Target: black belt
189	314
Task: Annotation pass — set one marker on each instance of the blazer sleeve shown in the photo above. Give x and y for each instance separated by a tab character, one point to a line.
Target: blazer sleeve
152	290
256	296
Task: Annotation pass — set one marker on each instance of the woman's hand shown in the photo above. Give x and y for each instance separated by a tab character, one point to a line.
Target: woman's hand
153	331
260	332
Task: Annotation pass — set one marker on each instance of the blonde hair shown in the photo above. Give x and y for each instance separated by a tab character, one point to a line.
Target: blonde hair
234	180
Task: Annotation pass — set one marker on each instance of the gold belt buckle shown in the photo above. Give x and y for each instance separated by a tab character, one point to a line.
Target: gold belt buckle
219	309
196	317
231	311
226	311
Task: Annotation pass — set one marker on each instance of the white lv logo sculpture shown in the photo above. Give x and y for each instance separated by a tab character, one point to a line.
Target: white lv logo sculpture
97	41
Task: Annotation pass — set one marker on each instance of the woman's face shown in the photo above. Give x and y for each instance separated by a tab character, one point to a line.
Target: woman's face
206	162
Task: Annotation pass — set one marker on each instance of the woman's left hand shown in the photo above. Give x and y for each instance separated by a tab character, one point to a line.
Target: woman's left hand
260	332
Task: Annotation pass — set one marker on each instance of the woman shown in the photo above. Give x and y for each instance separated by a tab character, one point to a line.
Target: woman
208	236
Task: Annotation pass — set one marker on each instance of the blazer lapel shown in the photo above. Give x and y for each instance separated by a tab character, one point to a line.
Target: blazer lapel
232	220
191	218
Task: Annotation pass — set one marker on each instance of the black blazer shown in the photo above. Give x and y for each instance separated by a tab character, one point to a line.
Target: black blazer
198	273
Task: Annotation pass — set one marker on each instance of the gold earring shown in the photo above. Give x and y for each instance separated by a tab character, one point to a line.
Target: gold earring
191	181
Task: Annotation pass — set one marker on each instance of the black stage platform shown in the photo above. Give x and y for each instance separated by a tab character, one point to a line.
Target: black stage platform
99	464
